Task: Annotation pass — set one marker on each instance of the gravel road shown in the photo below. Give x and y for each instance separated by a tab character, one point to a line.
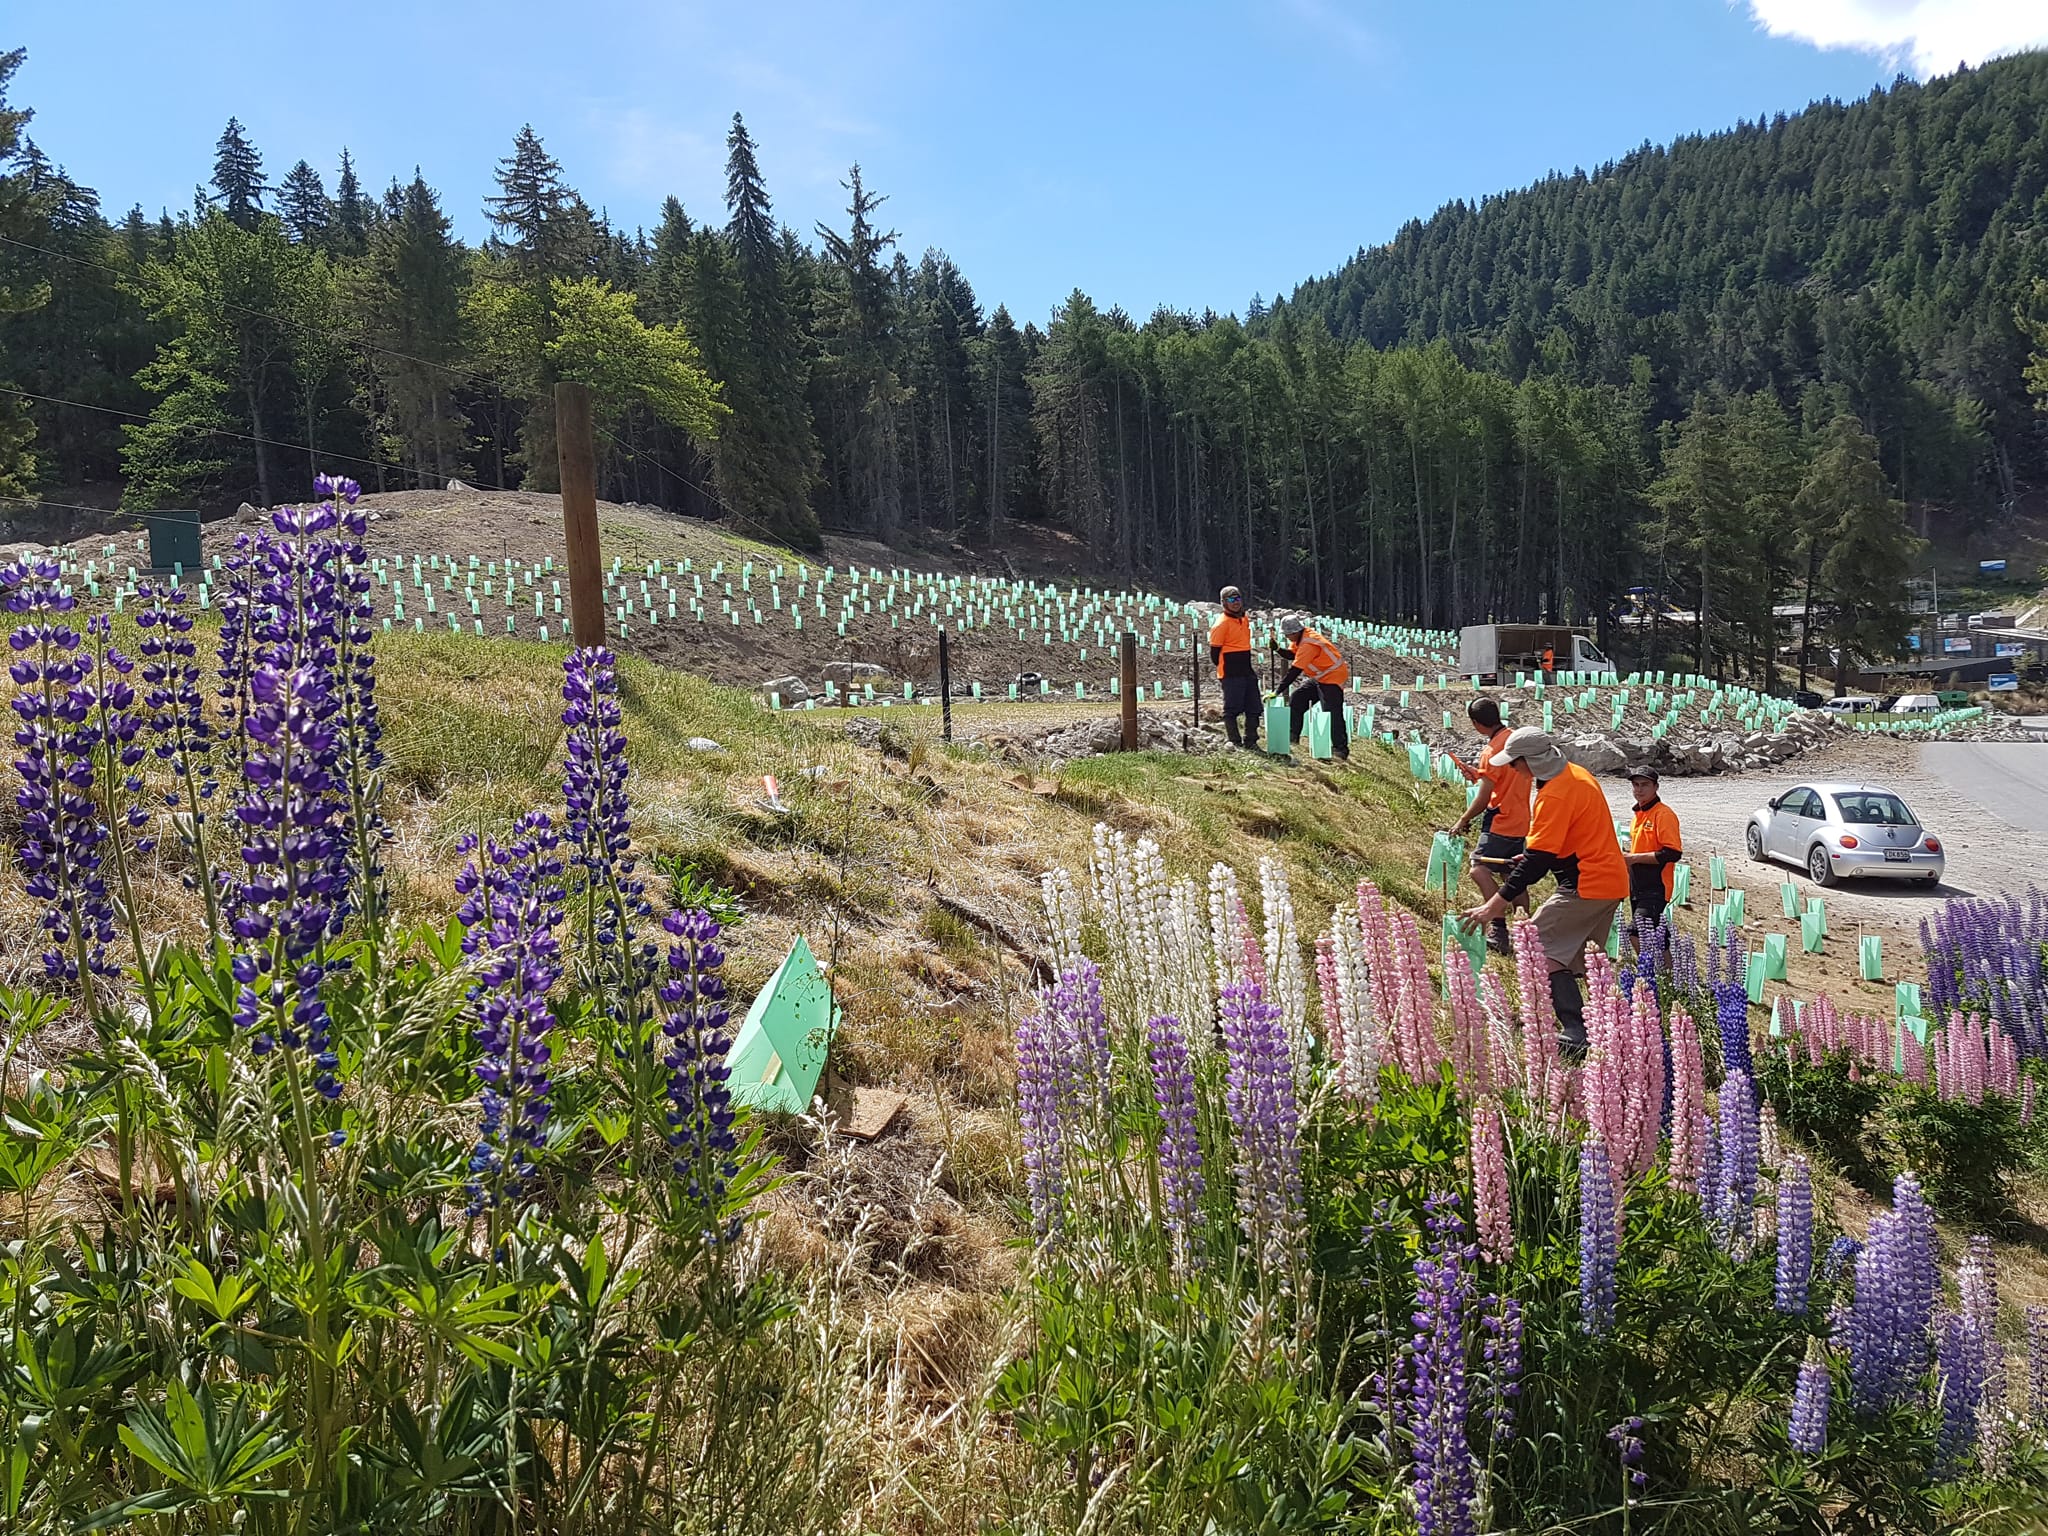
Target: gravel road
1987	801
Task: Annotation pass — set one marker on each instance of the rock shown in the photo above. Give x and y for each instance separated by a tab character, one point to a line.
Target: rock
704	744
1595	754
246	513
793	689
840	673
457	485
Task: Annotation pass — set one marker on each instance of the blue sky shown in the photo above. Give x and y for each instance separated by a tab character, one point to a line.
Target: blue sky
1187	153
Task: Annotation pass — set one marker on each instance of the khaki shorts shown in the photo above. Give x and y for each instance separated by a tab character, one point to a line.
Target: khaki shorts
1567	923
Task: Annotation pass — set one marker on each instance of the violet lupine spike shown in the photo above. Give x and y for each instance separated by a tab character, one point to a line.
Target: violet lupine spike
1740	1148
2037	1365
1977	1290
175	699
1731	1015
63	840
1502	1352
1962	1358
1439	1396
1180	1146
117	725
1795	1238
1042	1112
295	863
1896	1285
701	1139
1599	1238
1075	1002
1810	1398
1266	1119
599	835
1840	1253
511	907
1708	1185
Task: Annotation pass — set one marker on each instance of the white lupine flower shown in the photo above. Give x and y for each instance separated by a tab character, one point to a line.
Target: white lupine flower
1286	979
1356	1045
1224	951
1189	963
1062	917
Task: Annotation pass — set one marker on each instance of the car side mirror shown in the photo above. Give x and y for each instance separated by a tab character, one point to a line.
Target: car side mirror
1776	801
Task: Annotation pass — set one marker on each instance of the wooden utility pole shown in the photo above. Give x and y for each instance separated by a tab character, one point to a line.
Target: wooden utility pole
576	446
1198	656
945	687
1127	685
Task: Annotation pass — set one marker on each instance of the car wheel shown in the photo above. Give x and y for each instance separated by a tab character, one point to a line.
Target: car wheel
1818	868
1756	843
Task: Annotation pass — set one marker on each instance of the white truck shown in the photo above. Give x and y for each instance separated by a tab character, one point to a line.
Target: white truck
1494	653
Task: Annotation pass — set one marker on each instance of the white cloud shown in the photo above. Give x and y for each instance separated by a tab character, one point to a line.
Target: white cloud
1338	26
1929	36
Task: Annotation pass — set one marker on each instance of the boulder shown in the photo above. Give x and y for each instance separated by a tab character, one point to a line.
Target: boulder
1596	754
841	673
793	689
704	744
457	485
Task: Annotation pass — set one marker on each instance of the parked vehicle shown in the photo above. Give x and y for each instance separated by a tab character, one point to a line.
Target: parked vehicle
1806	698
1846	831
1493	652
1850	704
1917	704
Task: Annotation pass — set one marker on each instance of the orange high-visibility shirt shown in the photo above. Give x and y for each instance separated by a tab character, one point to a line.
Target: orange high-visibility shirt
1571	821
1320	661
1229	634
1652	829
1511	788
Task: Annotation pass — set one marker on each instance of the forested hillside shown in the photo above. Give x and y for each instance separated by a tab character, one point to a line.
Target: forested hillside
1710	370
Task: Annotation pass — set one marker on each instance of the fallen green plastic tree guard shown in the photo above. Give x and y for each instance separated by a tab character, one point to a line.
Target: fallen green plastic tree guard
781	1047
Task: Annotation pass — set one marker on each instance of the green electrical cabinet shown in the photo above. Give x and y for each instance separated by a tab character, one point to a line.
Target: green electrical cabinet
174	539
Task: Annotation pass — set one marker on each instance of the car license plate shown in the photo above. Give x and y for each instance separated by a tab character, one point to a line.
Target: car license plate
1897	855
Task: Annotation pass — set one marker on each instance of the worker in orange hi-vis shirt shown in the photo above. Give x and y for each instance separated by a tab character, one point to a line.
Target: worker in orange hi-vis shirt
1654	849
1502	811
1230	651
1571	836
1324	672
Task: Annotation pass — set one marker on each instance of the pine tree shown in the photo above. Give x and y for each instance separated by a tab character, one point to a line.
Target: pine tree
302	204
542	224
409	298
20	292
865	394
1848	503
668	275
239	187
351	211
1003	400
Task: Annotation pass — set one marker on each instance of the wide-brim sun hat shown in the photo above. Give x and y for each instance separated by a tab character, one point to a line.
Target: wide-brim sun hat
1292	624
1535	748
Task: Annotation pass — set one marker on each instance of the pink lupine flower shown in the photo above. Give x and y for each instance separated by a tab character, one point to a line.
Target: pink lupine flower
1493	1207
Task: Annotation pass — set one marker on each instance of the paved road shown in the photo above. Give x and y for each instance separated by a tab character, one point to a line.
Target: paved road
1988	802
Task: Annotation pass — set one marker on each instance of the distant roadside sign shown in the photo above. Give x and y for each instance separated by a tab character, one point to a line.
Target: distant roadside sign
1956	645
2008	648
1991	567
2003	682
1913	642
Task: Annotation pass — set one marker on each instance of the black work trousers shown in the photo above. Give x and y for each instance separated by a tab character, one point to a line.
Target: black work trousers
1241	701
1331	697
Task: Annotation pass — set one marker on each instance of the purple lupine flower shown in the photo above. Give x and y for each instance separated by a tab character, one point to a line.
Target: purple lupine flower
1985	955
1977	1292
1685	965
1731	1014
1708	1185
117	729
511	907
1795	1237
1266	1118
355	687
1438	1395
1809	1427
1180	1147
600	825
1896	1284
701	1116
176	704
2037	1364
1627	1440
1599	1237
63	839
1962	1363
1502	1320
1075	1000
239	643
1041	1113
295	863
1840	1252
1740	1135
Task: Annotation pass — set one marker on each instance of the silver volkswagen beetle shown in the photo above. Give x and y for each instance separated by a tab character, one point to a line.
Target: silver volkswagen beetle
1846	831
